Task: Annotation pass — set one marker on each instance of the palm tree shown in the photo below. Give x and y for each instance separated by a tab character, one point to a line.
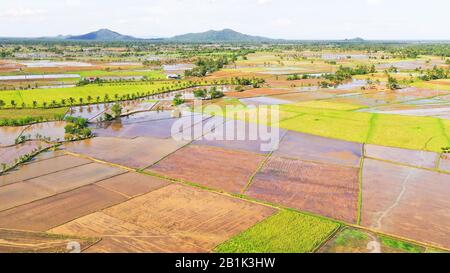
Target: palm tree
71	100
89	98
34	104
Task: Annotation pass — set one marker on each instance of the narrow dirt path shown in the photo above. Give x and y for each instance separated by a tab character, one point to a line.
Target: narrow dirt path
386	213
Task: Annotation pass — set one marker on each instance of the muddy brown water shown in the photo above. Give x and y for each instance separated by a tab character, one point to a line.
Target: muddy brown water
8	155
8	134
161	128
52	130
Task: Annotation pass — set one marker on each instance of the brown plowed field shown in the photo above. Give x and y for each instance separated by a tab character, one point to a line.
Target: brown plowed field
398	200
44	214
304	96
272	82
258	92
135	153
120	236
21	193
308	147
211	167
47	155
41	167
409	157
320	188
203	218
132	184
75	177
154	244
14	241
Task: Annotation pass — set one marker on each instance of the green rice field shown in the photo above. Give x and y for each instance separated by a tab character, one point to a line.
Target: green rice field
284	232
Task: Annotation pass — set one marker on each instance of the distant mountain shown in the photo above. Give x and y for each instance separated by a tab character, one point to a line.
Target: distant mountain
355	40
102	35
225	35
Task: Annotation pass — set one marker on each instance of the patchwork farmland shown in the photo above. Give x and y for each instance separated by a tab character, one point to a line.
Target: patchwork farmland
124	159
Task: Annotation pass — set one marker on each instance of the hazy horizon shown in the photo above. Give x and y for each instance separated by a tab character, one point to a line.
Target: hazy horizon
282	19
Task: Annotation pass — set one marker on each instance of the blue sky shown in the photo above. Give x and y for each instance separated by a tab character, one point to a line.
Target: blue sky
290	19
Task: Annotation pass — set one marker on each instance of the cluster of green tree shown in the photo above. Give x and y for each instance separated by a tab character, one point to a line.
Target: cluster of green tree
76	128
116	112
392	69
212	93
296	77
85	81
195	51
399	49
178	100
205	66
254	82
392	83
6	54
435	74
346	73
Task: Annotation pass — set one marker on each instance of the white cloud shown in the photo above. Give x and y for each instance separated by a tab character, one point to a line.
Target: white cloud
374	2
73	3
22	12
281	22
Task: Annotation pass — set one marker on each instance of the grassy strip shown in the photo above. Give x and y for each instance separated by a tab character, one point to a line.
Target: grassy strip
284	232
260	166
397	244
355	240
371	127
18	117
